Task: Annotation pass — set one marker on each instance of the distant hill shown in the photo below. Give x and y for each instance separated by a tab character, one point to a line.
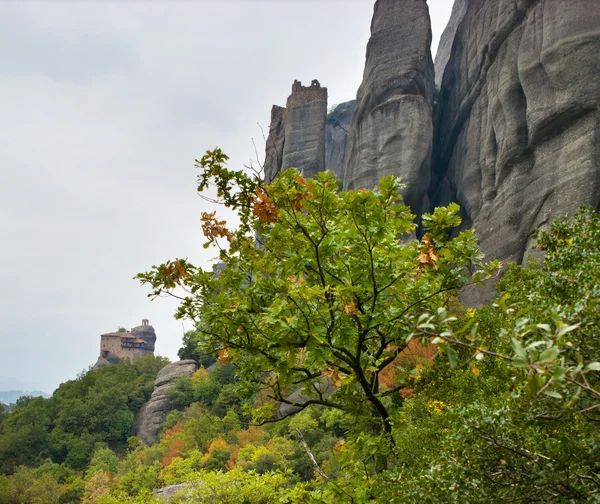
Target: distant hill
11	396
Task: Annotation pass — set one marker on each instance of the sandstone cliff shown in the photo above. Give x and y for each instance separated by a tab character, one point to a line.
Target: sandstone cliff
151	417
517	120
392	127
518	124
336	137
275	143
459	9
305	117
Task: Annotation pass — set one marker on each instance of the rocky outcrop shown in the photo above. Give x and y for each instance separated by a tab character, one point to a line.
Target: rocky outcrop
336	137
306	113
146	333
459	9
151	417
106	360
275	144
182	492
297	133
518	124
321	388
392	127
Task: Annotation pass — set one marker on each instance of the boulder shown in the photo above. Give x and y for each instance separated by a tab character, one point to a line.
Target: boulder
518	123
152	415
182	491
392	127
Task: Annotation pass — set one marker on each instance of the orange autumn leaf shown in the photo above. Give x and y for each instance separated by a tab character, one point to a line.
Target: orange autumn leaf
350	308
213	228
428	256
301	180
264	208
339	446
334	375
405	393
224	356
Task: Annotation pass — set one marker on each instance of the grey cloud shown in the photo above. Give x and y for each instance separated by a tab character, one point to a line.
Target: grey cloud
25	48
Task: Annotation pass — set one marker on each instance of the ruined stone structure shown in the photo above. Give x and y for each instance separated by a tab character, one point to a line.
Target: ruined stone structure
515	134
131	345
297	132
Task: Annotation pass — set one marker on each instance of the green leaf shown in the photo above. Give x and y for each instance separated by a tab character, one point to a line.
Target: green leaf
452	357
519	348
593	366
534	384
564	329
549	354
551	393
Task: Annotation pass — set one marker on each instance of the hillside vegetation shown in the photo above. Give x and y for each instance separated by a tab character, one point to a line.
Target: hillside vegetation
347	368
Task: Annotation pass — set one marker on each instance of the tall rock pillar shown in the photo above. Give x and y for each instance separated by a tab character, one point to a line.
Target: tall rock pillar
275	143
297	132
305	119
392	127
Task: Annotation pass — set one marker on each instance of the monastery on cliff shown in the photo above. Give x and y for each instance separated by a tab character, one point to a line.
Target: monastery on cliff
123	344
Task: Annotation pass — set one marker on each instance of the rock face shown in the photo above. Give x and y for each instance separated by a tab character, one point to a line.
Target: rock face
459	10
151	417
146	333
392	127
336	137
517	120
518	124
297	132
181	491
275	143
306	113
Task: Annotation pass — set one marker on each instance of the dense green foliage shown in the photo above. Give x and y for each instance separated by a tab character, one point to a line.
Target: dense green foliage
96	410
341	292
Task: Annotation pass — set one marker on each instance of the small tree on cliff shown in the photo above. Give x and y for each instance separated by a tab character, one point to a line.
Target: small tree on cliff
332	292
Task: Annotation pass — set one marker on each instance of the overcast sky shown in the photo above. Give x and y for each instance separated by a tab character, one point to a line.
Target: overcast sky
103	108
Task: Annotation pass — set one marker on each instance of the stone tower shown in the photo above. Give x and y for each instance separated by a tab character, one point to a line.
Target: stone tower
297	132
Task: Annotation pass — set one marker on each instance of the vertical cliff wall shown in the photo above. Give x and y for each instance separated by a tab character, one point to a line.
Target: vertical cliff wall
275	144
392	128
518	123
336	137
